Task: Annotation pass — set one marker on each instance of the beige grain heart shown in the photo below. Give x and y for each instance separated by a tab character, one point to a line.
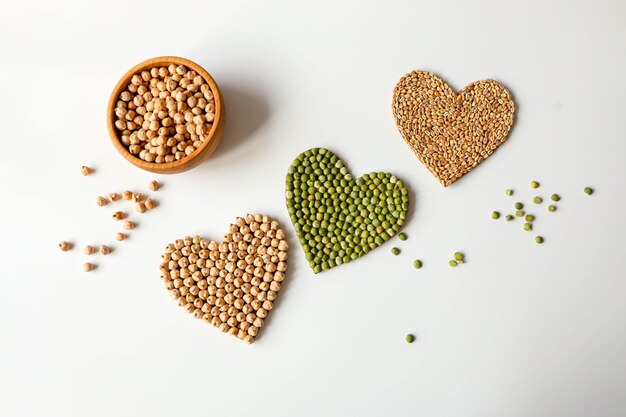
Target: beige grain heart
233	284
450	132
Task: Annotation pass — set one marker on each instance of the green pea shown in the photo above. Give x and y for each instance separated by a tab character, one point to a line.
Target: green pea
551	208
528	227
588	190
530	218
495	215
452	263
409	338
555	197
402	236
508	192
459	257
395	251
417	264
534	184
539	239
519	213
519	206
509	217
537	200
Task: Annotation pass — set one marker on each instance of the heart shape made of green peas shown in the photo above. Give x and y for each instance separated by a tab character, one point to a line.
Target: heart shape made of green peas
339	218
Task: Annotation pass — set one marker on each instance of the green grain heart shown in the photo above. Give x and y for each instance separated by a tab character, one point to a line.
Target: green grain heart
339	218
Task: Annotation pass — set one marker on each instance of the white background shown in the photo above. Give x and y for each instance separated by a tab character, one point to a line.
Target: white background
520	330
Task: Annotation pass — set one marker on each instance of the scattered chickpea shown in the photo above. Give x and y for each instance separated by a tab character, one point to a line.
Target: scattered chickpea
154	185
101	201
86	170
140	207
150	204
114	197
89	250
65	246
105	250
120	236
128	225
119	215
137	197
127	195
88	267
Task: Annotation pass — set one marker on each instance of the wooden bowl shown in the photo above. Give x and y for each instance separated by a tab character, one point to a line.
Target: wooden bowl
200	154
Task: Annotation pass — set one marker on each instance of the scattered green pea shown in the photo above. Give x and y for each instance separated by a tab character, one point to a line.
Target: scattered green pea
528	227
395	251
537	200
459	257
539	239
588	190
551	208
555	197
409	338
530	218
509	217
402	236
519	213
519	206
508	192
534	184
495	215
417	264
452	263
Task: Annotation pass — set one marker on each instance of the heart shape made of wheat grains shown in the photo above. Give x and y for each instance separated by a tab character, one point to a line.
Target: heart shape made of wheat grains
339	218
451	133
233	284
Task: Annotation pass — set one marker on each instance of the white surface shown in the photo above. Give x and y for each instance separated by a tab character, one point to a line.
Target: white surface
520	330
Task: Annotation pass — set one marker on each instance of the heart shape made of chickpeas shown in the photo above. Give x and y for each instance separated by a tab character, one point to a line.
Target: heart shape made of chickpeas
231	285
339	218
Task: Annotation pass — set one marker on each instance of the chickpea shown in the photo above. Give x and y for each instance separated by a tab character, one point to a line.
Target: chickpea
119	215
154	185
150	204
65	246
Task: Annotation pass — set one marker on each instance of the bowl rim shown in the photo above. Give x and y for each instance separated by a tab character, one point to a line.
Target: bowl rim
175	166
